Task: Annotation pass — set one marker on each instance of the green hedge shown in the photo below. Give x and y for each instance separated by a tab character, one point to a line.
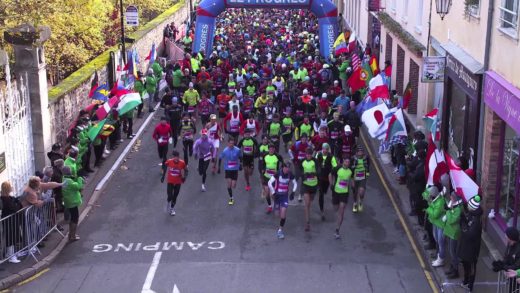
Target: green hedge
74	80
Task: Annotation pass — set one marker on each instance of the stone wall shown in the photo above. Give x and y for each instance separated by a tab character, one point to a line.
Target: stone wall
71	95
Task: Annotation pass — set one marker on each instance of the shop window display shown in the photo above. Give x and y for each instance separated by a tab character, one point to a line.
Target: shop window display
508	188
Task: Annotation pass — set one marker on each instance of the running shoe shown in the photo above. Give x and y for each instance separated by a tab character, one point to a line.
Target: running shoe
280	234
307	227
231	201
300	197
248	188
168	207
269	210
172	212
360	207
355	208
203	188
336	234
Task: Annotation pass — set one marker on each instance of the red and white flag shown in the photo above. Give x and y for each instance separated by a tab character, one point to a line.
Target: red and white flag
435	165
463	185
103	110
378	88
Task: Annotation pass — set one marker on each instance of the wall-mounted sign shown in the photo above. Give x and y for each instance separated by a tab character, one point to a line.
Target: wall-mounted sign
132	16
466	79
433	69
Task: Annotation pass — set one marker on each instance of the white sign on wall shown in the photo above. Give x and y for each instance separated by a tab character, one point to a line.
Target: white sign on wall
132	16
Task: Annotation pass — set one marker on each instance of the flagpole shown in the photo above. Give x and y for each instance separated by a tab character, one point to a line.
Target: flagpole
123	50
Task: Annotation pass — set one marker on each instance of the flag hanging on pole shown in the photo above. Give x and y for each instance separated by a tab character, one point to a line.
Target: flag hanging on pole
101	93
407	96
435	165
430	122
153	53
103	110
396	126
95	129
340	45
128	102
377	88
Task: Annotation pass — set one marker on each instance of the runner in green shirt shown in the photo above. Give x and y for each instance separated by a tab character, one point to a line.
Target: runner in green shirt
341	180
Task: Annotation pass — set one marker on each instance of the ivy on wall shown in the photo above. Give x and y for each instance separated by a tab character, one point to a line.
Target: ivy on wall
404	36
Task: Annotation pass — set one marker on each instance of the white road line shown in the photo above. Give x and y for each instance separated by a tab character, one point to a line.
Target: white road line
175	289
147	286
104	180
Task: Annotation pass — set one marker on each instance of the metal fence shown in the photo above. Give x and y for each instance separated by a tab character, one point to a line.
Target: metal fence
21	232
507	285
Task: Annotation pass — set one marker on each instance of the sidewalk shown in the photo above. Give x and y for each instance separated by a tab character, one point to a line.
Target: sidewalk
11	274
486	279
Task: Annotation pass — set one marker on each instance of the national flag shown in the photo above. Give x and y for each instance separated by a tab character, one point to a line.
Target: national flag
407	96
388	70
463	185
131	66
128	102
103	110
396	125
340	45
95	129
374	120
435	165
430	122
385	145
101	93
93	85
373	65
378	88
351	46
152	55
360	78
356	62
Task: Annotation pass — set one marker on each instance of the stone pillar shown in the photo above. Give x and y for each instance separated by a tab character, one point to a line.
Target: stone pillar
27	42
490	163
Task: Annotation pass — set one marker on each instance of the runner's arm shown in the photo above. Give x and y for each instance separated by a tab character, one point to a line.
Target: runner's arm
271	183
294	185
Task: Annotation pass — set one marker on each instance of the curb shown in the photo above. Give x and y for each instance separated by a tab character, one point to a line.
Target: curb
44	263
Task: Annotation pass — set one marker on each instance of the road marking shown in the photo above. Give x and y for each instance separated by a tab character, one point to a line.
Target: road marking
147	286
175	289
36	276
158	246
401	219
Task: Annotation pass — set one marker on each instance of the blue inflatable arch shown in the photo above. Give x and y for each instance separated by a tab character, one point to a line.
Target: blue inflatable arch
208	10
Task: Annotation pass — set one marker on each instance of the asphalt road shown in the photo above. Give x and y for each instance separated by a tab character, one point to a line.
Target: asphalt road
130	244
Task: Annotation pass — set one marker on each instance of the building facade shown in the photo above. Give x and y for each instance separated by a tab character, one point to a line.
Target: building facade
501	131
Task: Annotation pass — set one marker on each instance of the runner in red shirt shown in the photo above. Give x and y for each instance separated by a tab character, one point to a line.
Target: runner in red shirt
222	101
177	172
162	135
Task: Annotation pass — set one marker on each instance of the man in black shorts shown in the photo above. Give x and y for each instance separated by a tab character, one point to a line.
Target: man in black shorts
249	147
341	182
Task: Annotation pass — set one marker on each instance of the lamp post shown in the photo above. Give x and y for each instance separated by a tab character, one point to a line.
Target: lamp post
443	8
123	50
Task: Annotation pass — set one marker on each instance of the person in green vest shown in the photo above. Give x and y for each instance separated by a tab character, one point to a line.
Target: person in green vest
343	73
249	147
187	42
263	149
311	169
177	80
452	232
361	168
274	130
141	89
287	128
72	163
72	199
304	128
271	164
151	89
341	181
195	63
157	70
436	211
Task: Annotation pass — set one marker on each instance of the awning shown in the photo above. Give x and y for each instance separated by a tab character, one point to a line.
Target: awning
467	60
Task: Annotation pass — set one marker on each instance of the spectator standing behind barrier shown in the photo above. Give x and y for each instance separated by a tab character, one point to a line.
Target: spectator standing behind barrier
72	200
31	192
55	153
511	260
452	232
470	237
11	226
435	211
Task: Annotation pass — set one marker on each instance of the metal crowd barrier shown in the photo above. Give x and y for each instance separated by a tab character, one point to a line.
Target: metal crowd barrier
40	222
21	232
507	285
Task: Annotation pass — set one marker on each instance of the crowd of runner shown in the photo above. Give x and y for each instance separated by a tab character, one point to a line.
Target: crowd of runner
268	94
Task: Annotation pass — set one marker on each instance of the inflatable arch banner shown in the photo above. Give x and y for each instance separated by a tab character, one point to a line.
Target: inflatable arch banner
208	10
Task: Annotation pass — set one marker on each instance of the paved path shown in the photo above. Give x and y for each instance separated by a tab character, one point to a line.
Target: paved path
129	243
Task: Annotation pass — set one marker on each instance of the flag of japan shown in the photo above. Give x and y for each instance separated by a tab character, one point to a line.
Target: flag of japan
375	120
463	185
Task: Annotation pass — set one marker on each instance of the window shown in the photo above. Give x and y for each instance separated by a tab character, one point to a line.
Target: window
507	183
418	21
472	7
393	6
509	17
404	17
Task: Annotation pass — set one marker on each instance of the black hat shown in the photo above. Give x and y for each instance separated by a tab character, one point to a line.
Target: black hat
512	234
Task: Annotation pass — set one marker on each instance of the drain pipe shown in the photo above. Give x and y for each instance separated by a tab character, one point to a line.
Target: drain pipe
487	55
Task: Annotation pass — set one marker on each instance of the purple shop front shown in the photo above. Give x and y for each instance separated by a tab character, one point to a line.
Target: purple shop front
503	98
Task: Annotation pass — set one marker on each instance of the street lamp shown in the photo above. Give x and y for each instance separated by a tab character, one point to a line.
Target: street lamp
443	7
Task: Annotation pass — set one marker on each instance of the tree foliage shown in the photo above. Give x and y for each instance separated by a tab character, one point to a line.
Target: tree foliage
81	29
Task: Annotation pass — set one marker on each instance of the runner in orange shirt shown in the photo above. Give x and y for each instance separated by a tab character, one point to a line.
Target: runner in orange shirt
176	169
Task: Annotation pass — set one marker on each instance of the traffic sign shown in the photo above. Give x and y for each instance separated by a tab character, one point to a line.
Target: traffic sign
132	16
